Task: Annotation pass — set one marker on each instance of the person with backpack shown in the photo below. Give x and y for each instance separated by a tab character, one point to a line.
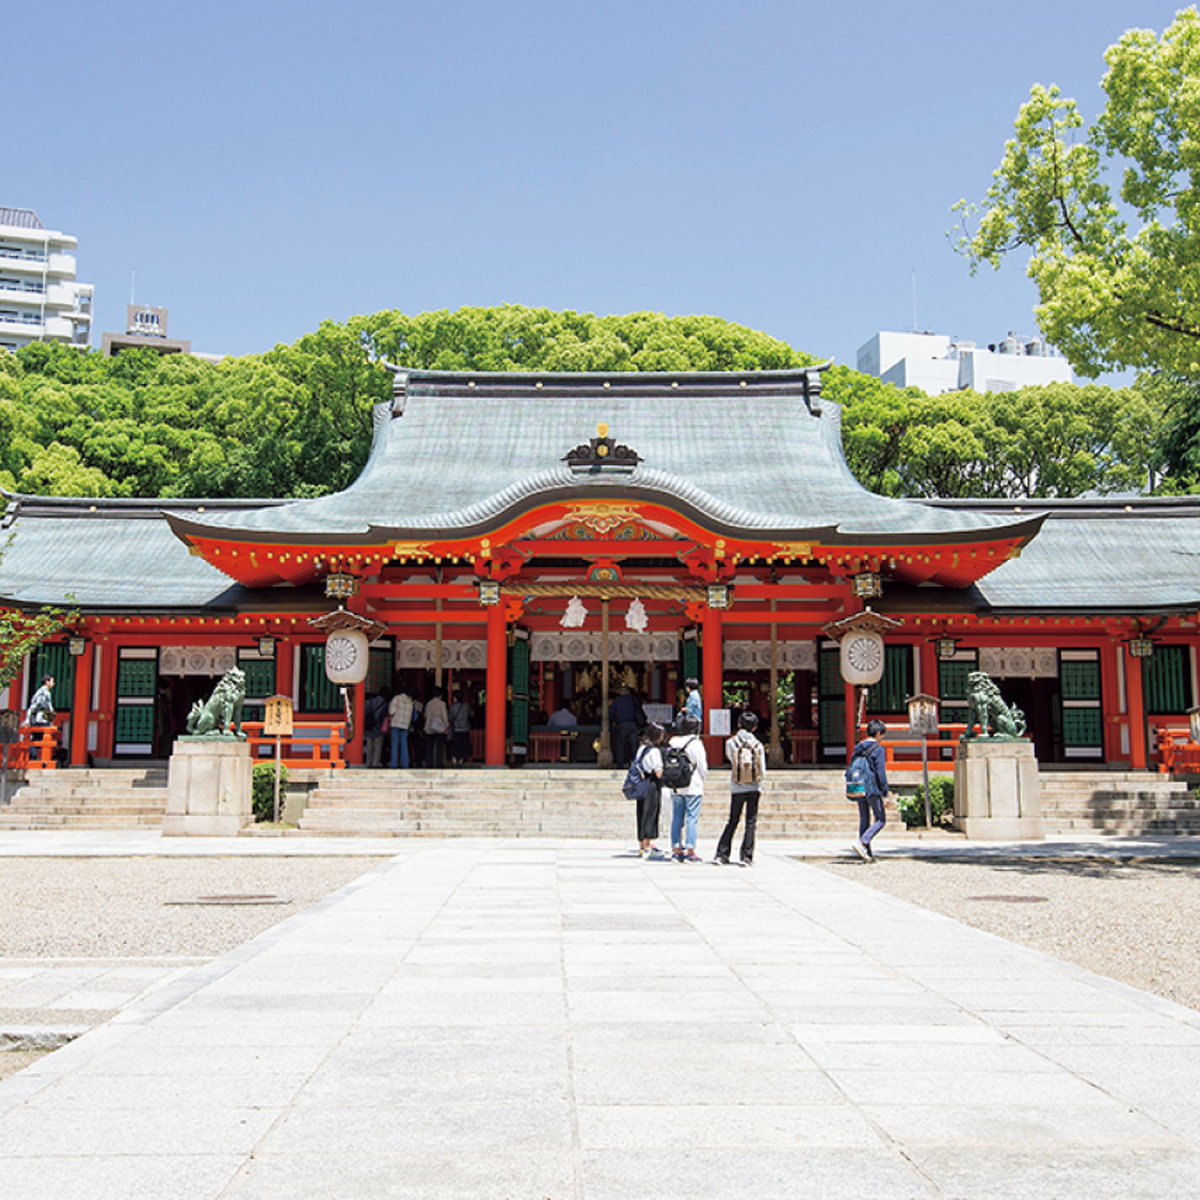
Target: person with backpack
867	785
685	764
643	785
747	768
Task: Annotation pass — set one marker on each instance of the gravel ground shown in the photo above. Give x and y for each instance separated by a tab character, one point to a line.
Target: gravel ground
145	907
1137	922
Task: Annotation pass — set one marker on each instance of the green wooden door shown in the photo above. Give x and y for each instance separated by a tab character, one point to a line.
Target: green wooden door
1082	719
53	658
518	674
831	703
133	712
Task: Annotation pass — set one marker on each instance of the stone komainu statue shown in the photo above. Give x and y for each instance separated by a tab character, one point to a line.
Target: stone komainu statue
986	709
221	713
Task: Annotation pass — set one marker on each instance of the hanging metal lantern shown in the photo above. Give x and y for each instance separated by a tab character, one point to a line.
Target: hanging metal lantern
346	656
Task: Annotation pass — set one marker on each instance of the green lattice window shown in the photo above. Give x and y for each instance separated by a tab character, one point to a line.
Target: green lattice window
952	679
690	659
260	677
381	667
829	675
134	723
1082	727
1080	680
136	676
1166	679
54	659
896	685
519	665
833	722
520	668
317	693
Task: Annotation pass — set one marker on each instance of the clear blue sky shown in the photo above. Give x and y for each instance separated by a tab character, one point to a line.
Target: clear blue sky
784	164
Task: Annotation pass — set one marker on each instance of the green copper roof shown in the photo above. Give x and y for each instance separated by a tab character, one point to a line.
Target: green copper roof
749	453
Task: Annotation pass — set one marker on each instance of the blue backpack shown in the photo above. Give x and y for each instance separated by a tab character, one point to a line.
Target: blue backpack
636	785
859	774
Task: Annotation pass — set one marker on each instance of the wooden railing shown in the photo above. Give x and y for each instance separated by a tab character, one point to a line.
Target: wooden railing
1175	750
903	750
35	750
551	745
311	744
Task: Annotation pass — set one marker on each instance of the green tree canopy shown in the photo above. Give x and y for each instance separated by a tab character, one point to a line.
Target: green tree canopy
1118	275
1054	441
296	421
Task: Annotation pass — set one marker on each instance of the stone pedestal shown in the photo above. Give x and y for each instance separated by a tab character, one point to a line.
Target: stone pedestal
996	791
208	790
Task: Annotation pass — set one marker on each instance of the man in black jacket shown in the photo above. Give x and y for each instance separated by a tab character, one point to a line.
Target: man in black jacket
626	715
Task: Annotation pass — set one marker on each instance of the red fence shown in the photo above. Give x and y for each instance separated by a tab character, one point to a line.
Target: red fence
35	750
311	744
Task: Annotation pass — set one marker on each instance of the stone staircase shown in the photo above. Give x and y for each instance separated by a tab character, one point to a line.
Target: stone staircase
88	798
553	803
1117	802
563	802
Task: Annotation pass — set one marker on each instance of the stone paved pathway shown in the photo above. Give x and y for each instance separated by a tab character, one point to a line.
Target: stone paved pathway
533	1019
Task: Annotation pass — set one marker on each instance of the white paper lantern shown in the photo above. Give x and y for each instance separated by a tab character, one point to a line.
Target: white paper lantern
862	657
346	656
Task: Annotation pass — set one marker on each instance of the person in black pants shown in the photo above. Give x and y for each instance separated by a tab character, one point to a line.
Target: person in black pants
748	766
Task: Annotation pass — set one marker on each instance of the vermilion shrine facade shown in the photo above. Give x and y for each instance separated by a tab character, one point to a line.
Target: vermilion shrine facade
694	524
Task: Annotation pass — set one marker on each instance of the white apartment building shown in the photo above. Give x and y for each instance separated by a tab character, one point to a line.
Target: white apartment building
937	364
39	298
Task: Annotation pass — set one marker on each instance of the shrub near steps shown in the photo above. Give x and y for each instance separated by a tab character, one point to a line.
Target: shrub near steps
88	798
554	803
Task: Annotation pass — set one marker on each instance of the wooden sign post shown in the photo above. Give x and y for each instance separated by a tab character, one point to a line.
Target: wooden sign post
277	723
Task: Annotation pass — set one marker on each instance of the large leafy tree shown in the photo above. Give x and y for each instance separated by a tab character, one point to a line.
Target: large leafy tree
1117	271
1055	441
296	421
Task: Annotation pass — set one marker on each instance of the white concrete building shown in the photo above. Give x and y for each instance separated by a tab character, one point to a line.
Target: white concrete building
39	298
936	364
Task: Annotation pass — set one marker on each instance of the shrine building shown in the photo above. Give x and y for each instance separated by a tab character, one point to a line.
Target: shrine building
534	541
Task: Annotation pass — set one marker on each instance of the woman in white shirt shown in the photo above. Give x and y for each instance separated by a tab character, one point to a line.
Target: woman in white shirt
688	798
649	756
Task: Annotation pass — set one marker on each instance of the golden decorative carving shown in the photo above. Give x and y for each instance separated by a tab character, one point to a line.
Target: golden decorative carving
793	550
601	517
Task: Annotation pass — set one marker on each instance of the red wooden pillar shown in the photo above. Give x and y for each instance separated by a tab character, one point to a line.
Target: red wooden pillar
1110	700
358	701
16	688
713	667
108	698
1136	704
930	683
81	704
285	668
851	719
497	686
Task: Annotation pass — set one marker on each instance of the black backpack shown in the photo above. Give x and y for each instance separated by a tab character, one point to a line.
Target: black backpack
677	767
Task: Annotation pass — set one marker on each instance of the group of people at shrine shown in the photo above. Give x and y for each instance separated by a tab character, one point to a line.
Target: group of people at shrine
433	731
